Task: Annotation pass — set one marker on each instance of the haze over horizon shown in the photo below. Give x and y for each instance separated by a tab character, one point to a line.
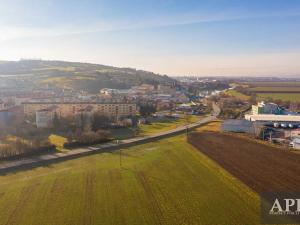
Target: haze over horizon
204	38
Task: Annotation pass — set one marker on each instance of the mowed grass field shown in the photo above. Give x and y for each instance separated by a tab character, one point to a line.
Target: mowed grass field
164	182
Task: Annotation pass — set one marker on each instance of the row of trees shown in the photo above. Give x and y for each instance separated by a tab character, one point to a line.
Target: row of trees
83	122
20	147
147	109
87	138
83	129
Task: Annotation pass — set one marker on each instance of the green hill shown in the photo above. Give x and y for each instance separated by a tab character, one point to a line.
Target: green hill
80	76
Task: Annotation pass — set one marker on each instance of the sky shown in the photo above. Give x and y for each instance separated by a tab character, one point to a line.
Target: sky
173	37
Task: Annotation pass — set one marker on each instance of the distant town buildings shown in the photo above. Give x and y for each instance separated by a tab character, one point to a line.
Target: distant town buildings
4	118
40	105
1	105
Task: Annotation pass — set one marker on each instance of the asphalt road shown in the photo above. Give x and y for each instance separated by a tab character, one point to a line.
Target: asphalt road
48	158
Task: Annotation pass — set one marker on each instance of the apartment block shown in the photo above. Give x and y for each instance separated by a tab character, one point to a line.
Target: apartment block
65	109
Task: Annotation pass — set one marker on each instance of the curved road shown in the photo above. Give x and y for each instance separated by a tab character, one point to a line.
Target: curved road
48	158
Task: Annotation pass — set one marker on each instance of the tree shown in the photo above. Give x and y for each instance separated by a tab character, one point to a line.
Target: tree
252	99
99	121
147	109
56	122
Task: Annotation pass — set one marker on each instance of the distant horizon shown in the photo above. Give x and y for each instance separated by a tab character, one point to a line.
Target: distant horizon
182	75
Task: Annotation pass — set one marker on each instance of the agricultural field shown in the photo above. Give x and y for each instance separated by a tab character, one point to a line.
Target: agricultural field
164	182
285	91
263	168
276	89
293	97
273	84
237	94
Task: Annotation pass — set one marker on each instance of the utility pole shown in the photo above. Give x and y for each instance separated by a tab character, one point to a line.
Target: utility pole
120	157
187	125
120	154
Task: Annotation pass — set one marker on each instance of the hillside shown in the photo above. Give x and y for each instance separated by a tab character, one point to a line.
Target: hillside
79	76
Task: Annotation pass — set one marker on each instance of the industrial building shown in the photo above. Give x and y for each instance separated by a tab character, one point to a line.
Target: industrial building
238	126
273	118
266	108
270	112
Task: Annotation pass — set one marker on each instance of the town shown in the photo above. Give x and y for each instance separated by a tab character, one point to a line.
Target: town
46	118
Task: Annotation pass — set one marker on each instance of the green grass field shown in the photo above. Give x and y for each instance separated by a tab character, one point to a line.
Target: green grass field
293	97
273	84
275	89
166	182
150	129
122	133
238	95
157	127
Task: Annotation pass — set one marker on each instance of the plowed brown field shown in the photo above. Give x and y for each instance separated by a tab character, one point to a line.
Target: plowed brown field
263	168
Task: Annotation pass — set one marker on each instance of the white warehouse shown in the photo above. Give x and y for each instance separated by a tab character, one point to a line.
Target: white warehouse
273	118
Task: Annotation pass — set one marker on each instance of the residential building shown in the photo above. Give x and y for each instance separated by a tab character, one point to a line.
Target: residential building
144	89
44	118
2	106
65	109
4	118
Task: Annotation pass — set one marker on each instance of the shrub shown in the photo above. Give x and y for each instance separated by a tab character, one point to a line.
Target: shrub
88	138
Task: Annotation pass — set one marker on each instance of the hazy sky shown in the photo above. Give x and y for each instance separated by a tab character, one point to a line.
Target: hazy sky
174	37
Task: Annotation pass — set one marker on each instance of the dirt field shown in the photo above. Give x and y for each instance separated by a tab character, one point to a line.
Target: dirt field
261	167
